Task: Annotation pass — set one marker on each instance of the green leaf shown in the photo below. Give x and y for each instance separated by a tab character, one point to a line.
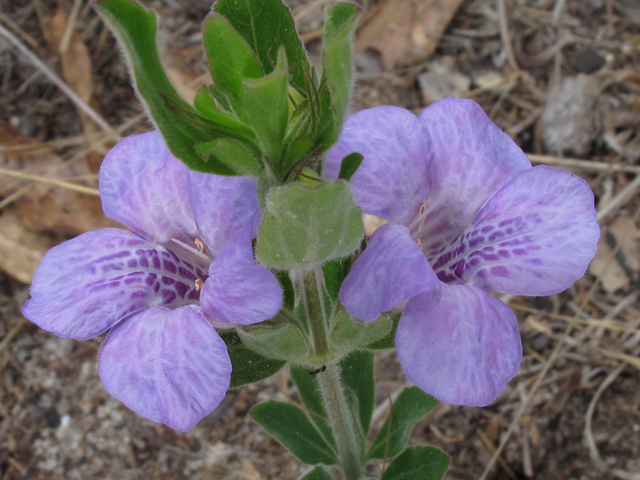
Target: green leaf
248	366
318	473
349	333
309	391
284	341
335	272
418	463
299	148
349	165
289	294
411	405
291	426
267	25
389	341
135	29
306	226
264	104
356	371
231	59
228	124
232	154
336	55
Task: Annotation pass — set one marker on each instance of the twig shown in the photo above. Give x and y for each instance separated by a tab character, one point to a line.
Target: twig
52	181
73	96
71	23
505	36
12	333
587	165
623	196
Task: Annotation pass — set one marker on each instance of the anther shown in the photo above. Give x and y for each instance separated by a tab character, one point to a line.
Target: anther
419	243
423	209
200	245
199	283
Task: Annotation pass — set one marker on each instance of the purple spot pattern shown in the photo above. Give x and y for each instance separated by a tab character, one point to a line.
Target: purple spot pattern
156	276
482	246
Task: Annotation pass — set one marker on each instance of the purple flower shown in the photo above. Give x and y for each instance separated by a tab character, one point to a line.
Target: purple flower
155	288
468	215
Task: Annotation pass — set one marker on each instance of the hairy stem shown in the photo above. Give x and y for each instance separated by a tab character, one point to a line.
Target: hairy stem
336	404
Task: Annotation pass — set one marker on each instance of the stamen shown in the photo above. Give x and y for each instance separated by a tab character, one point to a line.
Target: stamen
200	245
419	243
199	284
196	251
423	209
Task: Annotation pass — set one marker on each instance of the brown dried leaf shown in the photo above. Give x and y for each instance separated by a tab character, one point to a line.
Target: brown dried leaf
407	32
20	250
45	207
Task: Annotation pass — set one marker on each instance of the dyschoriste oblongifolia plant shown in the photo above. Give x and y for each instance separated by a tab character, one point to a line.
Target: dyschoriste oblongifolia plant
246	250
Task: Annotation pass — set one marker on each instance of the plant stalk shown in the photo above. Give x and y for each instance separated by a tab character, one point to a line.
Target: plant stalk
339	413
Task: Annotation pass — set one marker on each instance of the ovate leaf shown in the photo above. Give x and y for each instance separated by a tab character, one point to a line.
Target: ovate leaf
291	426
349	165
247	365
418	463
305	226
267	25
356	371
135	29
410	406
318	473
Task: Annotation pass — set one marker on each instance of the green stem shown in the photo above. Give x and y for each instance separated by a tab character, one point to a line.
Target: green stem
341	421
316	315
339	413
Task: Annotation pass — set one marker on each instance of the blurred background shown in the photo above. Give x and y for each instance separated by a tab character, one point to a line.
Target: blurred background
561	77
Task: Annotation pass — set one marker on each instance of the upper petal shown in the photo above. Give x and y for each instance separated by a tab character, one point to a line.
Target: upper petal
239	289
221	206
86	285
473	158
169	366
462	350
143	186
535	236
391	182
391	269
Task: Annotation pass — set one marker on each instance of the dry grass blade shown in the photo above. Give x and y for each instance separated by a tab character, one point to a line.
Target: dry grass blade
51	181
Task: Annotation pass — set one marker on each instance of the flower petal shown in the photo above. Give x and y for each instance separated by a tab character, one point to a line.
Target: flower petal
86	285
462	350
169	366
391	269
391	182
472	159
535	236
221	206
239	289
143	186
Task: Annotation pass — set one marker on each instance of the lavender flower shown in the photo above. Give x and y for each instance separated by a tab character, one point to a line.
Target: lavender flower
157	287
468	215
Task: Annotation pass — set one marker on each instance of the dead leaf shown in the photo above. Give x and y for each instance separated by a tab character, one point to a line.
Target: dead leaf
45	207
76	69
20	250
406	32
611	273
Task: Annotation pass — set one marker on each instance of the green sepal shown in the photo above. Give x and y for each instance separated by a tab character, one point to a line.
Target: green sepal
306	226
233	154
349	165
388	341
410	406
418	463
231	59
348	333
247	365
288	292
294	430
318	473
300	147
135	29
267	25
280	341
